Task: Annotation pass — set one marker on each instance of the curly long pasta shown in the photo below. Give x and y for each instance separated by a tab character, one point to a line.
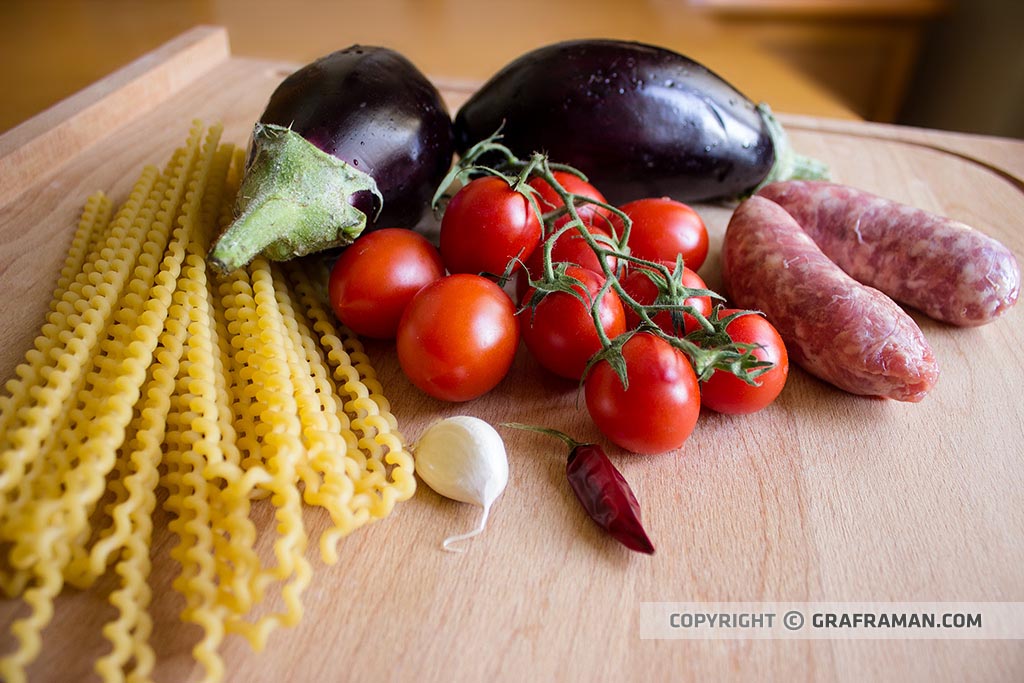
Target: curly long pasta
372	419
283	446
16	406
133	518
111	402
323	471
148	373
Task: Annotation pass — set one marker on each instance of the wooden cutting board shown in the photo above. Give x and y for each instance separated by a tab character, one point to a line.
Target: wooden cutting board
821	497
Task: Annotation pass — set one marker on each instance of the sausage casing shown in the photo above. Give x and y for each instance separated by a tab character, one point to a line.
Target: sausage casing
846	333
942	267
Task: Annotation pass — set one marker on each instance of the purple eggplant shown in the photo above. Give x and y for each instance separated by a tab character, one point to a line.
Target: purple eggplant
638	120
355	140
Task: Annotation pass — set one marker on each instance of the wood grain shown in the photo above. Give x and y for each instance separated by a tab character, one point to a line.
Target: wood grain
821	497
41	145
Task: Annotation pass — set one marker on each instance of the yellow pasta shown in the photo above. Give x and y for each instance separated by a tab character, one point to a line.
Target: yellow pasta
283	448
40	488
59	516
323	471
227	392
15	404
387	474
132	517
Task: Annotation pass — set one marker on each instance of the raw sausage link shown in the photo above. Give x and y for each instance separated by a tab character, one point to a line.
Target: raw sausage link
834	327
941	267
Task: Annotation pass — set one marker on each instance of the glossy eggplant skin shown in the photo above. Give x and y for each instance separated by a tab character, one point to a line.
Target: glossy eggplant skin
372	108
638	120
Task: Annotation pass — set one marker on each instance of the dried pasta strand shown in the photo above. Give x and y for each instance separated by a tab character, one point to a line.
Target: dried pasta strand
149	373
129	633
27	631
121	530
40	485
235	533
125	353
17	406
205	458
237	308
79	322
372	419
135	333
80	318
322	472
93	221
112	404
284	449
83	570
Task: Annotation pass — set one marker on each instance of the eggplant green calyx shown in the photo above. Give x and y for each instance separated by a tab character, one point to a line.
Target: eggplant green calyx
294	200
788	164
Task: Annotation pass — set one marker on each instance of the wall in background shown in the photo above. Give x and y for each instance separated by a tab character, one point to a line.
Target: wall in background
970	76
950	64
863	52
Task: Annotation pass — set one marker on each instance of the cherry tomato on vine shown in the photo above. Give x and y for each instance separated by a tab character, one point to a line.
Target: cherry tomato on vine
663	228
458	337
569	247
486	225
644	291
724	392
560	332
549	200
659	410
376	276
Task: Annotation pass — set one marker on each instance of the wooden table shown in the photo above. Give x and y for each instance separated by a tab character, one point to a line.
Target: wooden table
821	497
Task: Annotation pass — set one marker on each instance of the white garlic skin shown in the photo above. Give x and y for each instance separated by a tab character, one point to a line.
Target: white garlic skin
463	458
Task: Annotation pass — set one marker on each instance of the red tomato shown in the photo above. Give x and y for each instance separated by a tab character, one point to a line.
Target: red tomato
377	275
643	290
486	225
458	337
726	393
659	410
663	228
570	247
560	332
549	200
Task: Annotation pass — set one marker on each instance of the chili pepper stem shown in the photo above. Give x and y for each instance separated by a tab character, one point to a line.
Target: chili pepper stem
601	489
565	438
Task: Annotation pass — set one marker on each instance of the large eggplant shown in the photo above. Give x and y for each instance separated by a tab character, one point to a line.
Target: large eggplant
638	120
357	139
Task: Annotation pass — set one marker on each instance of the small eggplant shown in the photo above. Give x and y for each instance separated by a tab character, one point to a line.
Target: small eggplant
355	140
638	120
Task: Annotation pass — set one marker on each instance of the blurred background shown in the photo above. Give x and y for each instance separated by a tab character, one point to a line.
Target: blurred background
949	64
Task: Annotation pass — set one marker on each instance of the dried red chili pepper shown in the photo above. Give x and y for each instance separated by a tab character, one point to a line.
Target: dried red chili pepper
602	490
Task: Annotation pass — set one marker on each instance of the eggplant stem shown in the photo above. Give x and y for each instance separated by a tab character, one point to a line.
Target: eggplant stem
788	164
294	200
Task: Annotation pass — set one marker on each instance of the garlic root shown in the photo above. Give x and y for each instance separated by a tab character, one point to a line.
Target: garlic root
463	458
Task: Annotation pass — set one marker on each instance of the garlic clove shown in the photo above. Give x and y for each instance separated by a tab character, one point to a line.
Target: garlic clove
463	458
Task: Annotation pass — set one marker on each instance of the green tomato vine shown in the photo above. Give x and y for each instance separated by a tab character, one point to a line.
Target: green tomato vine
708	348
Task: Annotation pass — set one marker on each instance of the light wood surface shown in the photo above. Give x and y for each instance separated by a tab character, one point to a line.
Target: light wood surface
821	497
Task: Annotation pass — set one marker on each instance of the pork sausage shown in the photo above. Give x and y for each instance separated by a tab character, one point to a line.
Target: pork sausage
942	267
846	333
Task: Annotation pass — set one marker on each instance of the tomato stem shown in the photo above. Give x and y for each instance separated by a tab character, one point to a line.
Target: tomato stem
709	347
